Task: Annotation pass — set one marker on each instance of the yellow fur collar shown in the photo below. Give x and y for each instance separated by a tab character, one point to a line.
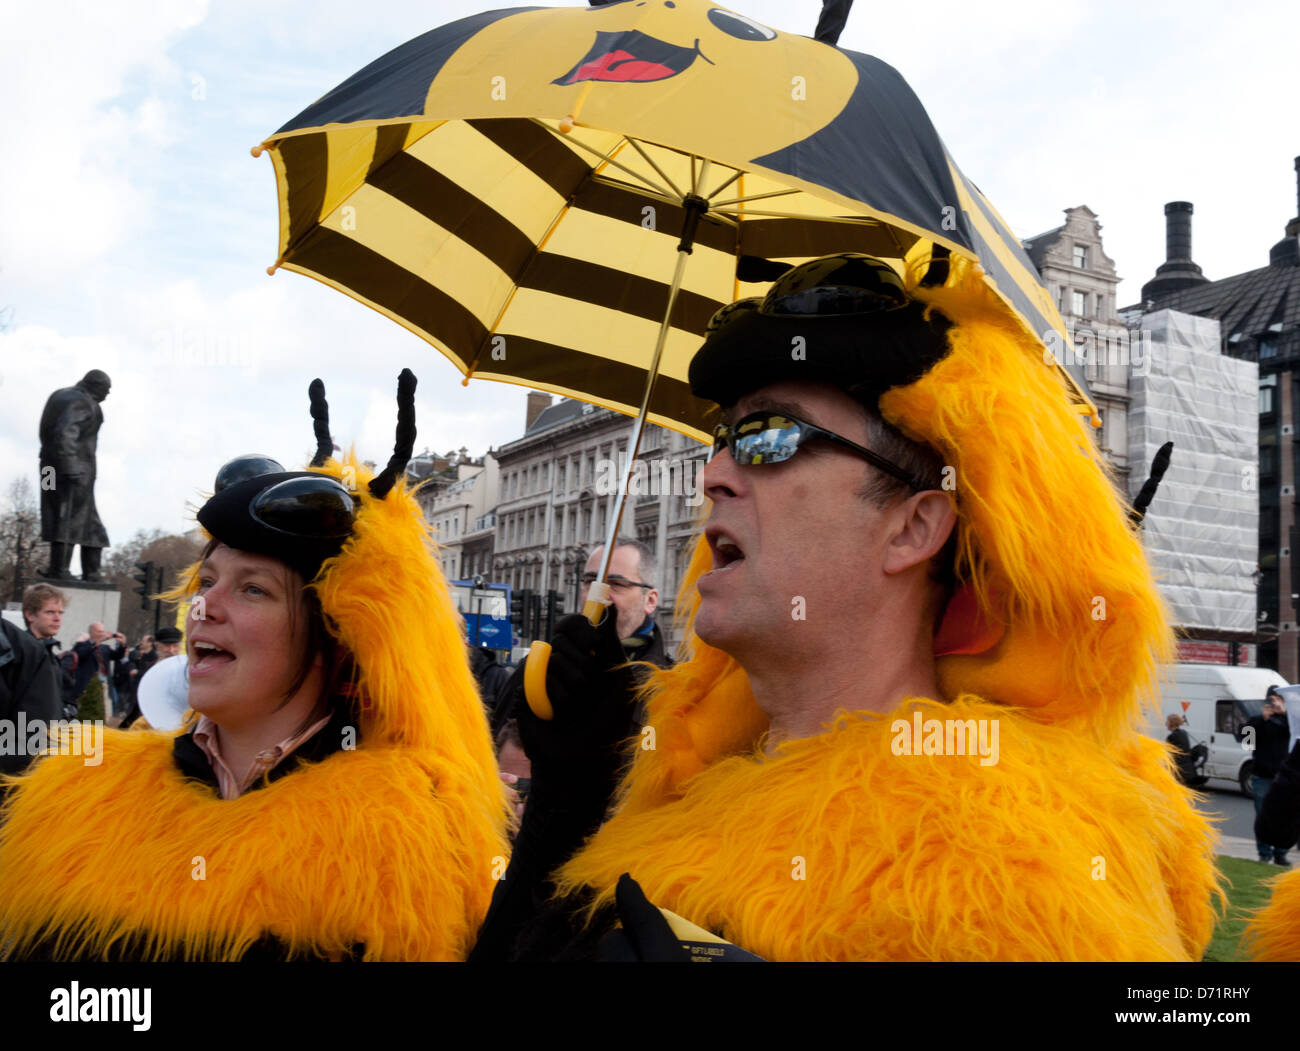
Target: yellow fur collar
837	848
391	848
1274	934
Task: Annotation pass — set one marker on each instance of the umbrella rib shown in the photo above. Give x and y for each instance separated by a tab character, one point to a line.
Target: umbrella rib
606	158
724	185
755	197
856	220
650	161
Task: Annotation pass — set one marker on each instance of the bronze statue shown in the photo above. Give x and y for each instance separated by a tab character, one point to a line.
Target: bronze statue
69	433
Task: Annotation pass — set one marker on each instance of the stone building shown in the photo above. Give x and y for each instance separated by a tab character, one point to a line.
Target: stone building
1259	319
1082	281
557	492
457	493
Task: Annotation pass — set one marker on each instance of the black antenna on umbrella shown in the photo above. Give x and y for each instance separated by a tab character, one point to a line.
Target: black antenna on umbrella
320	421
831	23
385	481
1159	465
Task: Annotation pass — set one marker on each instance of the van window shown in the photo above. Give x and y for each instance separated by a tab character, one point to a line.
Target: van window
1230	716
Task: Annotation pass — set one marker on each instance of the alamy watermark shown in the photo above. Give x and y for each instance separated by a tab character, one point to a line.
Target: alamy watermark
1122	347
923	736
652	478
93	1004
205	346
34	737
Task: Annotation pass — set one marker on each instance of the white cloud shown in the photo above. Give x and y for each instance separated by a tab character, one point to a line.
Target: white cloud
134	228
82	86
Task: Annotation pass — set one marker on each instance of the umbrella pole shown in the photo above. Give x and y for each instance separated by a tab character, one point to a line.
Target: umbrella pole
598	599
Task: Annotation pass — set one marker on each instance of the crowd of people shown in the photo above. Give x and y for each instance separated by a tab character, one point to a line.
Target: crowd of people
904	725
96	653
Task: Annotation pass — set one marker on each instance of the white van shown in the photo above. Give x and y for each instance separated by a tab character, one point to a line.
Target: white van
1216	700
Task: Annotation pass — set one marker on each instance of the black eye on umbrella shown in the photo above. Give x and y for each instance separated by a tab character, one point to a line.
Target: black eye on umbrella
739	26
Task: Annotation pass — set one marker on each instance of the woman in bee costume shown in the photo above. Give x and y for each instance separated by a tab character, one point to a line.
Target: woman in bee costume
332	797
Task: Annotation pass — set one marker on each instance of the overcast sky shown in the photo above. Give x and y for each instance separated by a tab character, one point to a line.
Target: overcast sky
133	220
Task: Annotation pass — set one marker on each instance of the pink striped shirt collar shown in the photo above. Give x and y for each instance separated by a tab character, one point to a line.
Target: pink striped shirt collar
232	786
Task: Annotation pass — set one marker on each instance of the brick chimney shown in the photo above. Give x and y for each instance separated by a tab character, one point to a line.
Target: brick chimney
1177	271
537	404
1287	251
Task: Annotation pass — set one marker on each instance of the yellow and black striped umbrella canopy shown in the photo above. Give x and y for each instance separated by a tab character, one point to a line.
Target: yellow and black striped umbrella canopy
509	187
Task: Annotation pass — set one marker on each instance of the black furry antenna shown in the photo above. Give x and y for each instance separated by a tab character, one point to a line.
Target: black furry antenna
1159	465
831	23
380	486
320	421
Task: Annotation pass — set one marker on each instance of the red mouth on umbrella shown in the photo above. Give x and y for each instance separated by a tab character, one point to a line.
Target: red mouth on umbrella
630	57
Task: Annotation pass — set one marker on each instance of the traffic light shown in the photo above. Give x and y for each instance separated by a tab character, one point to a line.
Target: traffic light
554	610
159	572
145	579
534	615
519	610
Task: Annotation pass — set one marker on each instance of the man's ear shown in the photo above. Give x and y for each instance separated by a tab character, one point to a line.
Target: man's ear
921	525
651	601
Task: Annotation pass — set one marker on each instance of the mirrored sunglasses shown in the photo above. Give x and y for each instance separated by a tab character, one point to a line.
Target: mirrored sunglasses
771	437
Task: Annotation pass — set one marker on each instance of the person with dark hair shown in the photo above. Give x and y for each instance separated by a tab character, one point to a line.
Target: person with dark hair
152	649
43	608
329	799
909	718
1268	733
29	692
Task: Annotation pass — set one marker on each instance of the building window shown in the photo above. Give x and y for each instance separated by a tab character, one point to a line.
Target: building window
1267	348
1081	257
1062	294
1268	460
1265	400
1079	303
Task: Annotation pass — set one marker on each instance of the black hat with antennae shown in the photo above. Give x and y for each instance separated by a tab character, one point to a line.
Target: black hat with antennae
301	518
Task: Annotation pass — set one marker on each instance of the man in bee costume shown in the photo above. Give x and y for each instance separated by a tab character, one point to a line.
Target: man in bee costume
374	839
907	727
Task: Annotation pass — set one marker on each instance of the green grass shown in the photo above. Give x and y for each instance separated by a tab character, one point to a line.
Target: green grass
1247	889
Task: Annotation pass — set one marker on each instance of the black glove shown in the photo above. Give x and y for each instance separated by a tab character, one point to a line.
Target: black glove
592	692
644	935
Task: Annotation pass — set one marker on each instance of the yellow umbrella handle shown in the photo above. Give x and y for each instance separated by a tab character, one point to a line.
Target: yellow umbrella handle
539	654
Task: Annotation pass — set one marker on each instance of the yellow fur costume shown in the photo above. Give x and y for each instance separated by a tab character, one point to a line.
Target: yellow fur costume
1274	933
391	845
1078	844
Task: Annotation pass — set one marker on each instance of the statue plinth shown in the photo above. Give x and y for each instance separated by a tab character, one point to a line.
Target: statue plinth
86	604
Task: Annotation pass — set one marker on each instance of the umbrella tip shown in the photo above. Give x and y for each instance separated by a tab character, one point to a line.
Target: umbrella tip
256	151
270	270
465	382
566	124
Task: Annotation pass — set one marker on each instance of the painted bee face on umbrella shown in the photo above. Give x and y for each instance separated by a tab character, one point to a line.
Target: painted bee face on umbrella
512	188
587	62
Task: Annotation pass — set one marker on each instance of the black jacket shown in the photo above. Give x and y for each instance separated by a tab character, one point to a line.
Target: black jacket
505	706
28	684
1278	823
1271	738
92	659
1185	758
